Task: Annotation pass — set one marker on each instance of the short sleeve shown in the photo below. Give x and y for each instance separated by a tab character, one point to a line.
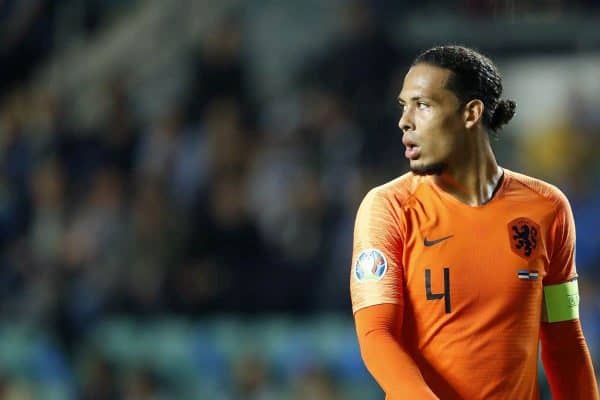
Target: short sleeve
562	252
376	272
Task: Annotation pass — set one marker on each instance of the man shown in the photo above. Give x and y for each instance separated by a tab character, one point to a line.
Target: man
461	267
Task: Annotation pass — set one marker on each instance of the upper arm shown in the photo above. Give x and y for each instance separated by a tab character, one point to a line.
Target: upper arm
561	296
376	272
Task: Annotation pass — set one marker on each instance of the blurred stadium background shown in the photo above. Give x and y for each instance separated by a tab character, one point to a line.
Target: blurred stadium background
178	180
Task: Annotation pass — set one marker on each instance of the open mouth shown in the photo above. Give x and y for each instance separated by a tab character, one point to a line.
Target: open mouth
412	151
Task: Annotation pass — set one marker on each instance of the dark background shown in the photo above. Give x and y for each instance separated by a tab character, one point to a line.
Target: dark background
178	180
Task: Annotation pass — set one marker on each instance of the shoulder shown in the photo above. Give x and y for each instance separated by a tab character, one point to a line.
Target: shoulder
537	190
384	205
395	193
381	212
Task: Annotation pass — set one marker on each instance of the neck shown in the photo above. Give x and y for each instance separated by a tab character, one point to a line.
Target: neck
474	176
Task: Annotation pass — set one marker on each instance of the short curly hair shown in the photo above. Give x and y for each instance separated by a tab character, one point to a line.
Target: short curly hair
474	76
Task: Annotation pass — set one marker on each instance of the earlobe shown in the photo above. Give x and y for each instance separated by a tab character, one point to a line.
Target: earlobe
473	113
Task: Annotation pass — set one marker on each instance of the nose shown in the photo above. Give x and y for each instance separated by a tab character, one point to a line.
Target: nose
406	122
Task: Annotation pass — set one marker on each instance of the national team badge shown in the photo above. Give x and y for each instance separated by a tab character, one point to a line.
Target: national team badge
371	265
524	235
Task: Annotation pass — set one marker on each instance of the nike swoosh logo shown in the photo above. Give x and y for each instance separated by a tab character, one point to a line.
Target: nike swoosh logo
428	243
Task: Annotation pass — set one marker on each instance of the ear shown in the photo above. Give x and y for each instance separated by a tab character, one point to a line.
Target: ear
473	112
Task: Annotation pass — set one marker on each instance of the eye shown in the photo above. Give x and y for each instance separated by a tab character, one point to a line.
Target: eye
401	107
422	105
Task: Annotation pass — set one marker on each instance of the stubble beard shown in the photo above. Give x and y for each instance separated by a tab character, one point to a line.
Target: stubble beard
431	169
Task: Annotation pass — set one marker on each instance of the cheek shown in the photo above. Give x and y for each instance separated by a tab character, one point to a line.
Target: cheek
431	120
441	146
437	135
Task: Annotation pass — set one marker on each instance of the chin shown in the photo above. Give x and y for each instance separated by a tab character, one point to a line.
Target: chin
428	169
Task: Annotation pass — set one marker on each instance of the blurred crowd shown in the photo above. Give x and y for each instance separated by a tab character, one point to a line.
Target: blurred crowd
222	203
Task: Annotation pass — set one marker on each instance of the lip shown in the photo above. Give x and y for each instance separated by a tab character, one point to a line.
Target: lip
413	150
408	142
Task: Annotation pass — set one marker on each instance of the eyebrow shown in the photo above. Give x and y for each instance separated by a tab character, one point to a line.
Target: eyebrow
414	98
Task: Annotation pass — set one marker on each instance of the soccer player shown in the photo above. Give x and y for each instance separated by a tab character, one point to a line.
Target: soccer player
461	267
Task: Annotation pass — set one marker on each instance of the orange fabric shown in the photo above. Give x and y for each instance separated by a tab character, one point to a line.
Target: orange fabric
467	283
567	362
394	369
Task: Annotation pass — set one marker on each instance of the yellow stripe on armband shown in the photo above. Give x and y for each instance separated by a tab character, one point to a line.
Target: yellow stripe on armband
561	302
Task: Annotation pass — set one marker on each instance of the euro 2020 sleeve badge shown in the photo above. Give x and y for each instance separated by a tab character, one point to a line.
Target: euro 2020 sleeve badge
371	265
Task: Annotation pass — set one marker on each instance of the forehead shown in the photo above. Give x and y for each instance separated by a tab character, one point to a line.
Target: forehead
423	80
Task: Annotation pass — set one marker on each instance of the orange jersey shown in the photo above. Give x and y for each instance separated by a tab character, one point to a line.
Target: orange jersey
469	278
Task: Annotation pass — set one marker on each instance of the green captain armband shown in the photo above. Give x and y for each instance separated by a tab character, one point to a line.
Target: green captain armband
561	302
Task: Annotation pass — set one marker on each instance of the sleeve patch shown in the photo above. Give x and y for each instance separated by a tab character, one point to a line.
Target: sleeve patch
370	265
561	302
